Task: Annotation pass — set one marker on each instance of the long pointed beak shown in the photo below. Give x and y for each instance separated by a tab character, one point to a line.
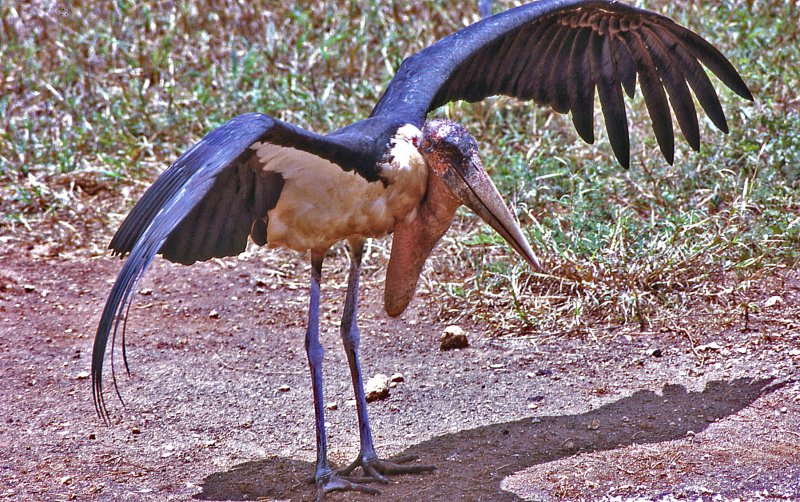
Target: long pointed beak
475	189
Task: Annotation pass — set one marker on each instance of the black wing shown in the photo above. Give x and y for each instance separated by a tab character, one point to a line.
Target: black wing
557	53
214	196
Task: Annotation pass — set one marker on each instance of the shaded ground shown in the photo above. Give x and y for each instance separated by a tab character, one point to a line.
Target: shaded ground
694	407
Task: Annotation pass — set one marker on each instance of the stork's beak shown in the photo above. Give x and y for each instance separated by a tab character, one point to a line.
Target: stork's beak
473	187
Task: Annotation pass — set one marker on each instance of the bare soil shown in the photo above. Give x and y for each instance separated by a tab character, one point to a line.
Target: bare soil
703	406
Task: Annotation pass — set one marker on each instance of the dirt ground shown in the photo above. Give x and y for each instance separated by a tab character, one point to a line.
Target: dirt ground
218	406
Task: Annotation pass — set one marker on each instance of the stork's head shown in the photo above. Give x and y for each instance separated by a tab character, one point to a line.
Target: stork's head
452	156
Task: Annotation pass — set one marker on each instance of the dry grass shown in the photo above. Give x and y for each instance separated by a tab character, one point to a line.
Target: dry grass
96	98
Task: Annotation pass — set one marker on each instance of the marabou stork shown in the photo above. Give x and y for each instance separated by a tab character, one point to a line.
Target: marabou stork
393	172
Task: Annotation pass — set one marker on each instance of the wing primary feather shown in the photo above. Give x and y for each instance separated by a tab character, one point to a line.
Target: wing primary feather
580	86
626	68
556	84
498	68
675	84
226	224
611	100
697	78
472	89
713	59
518	56
201	228
654	96
536	86
528	64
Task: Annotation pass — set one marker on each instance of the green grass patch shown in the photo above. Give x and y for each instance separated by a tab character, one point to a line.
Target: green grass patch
96	99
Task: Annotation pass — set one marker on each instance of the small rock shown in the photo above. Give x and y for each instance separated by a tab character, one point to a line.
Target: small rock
136	430
83	375
544	372
284	388
146	292
709	346
594	425
213	314
377	388
453	338
332	406
397	378
92	435
656	353
29	288
772	301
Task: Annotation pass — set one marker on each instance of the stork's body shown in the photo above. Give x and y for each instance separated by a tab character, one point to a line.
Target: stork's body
393	172
341	205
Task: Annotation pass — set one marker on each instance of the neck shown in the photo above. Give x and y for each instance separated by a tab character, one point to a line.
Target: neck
413	242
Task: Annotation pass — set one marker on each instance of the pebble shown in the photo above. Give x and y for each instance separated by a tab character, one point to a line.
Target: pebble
213	314
773	300
284	388
397	378
708	346
377	388
453	338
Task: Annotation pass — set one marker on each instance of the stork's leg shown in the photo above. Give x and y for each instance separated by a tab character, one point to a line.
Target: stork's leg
373	467
326	479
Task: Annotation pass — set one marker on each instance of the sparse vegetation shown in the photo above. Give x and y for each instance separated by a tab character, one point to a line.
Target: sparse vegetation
96	98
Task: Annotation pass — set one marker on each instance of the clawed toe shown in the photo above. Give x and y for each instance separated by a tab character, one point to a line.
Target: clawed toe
376	469
333	483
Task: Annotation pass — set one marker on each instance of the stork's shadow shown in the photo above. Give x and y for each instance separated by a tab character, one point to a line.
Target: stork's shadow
475	461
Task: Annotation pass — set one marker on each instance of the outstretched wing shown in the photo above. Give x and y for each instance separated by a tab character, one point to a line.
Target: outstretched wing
557	53
208	202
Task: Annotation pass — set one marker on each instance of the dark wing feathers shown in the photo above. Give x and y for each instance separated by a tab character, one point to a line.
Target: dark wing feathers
653	91
580	87
557	52
610	93
220	225
207	203
675	84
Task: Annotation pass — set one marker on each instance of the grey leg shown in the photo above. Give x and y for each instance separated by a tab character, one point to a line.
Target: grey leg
368	460
326	479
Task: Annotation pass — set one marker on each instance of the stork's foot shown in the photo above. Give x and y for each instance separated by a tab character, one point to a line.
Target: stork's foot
375	469
333	482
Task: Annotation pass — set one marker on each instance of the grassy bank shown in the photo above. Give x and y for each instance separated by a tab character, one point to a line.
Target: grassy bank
97	98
